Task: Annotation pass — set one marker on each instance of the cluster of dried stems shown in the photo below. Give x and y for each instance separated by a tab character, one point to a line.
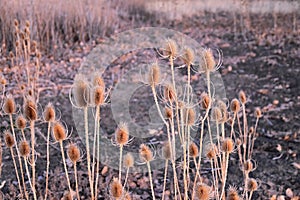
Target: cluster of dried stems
179	117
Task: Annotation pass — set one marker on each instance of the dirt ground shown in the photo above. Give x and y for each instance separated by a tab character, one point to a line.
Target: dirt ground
265	63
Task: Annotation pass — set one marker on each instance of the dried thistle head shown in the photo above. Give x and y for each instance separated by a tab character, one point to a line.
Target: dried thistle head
191	116
209	60
98	95
211	151
116	189
235	105
227	145
59	132
205	101
166	151
232	193
242	97
169	92
128	160
171	49
248	166
81	91
203	191
9	139
49	113
30	109
24	148
154	75
73	153
122	134
145	153
188	56
258	113
252	184
193	149
216	114
9	105
224	111
168	113
21	122
98	81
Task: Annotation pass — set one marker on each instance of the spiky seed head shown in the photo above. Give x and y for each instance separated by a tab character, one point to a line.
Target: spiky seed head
248	166
73	153
211	151
128	160
232	193
166	151
98	95
242	97
21	122
171	49
81	91
205	101
193	149
227	145
224	112
30	109
9	139
216	114
49	113
252	184
169	93
145	153
154	75
188	56
203	191
191	116
116	188
24	148
209	60
235	105
122	134
9	106
59	132
168	113
98	81
257	113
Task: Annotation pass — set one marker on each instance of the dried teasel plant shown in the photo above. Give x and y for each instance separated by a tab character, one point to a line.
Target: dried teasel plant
74	156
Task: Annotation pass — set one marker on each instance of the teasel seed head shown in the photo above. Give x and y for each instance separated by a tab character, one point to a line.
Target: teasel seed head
212	151
116	189
168	113
98	81
203	191
235	105
128	160
216	114
49	113
30	109
224	112
81	91
248	166
193	149
73	153
59	132
98	95
9	106
122	134
258	113
171	49
166	151
188	56
145	153
252	185
169	93
227	145
232	193
21	122
191	116
209	60
24	148
205	101
154	75
242	97
9	139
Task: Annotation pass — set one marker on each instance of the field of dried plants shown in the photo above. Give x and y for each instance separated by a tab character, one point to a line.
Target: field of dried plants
235	139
